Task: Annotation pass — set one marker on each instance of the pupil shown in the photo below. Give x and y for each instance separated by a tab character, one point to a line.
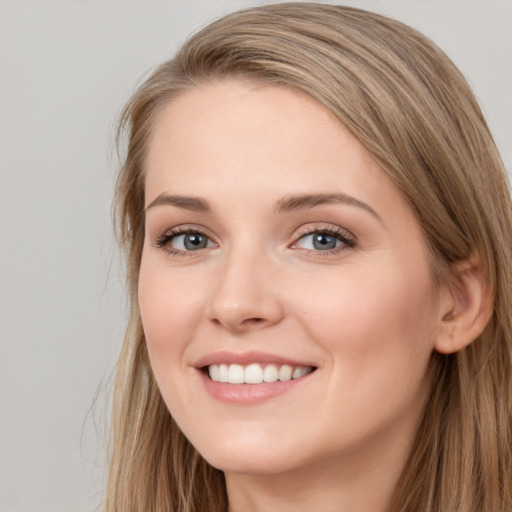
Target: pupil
324	242
195	241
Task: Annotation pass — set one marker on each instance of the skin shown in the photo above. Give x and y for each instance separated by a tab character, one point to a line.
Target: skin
366	314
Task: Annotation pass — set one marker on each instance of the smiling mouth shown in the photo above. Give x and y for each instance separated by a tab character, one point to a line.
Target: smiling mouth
255	373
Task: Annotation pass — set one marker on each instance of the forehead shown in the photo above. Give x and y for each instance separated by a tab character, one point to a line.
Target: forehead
229	117
232	122
240	139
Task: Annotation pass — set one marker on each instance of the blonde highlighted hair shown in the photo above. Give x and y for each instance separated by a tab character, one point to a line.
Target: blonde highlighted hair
410	107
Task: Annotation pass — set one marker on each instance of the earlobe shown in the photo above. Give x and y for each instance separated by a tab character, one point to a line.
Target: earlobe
467	308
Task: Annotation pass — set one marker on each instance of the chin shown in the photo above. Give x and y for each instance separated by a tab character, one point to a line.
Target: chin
251	455
249	464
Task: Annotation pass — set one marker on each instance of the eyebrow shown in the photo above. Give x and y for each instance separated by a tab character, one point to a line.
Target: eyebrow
195	204
284	205
299	202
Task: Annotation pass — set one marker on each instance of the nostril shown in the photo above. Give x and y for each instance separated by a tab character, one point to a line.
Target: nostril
247	322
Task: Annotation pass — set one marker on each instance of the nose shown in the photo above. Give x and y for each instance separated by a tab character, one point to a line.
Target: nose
245	296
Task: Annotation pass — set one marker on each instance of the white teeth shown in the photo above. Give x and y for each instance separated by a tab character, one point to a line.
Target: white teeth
270	373
285	373
256	373
236	374
299	372
214	372
253	374
223	373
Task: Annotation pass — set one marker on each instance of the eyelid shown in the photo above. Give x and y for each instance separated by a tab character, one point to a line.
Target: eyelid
162	240
345	236
323	227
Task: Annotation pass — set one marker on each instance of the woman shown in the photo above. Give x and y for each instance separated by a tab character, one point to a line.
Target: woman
317	226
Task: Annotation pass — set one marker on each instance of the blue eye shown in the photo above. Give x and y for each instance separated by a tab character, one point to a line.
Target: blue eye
182	242
323	241
189	242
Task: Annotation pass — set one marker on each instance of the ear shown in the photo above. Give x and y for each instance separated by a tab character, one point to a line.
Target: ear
466	306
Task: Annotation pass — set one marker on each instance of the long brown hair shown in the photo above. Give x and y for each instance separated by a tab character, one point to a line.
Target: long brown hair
406	102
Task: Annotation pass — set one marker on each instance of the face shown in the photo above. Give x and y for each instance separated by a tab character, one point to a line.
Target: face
285	289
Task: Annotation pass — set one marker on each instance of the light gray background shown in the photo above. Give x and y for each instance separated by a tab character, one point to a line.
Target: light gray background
66	67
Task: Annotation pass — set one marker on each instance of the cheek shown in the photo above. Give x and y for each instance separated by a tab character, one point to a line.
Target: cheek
169	307
377	331
377	319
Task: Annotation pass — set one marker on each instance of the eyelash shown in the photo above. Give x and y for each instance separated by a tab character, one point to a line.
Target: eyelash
163	241
347	240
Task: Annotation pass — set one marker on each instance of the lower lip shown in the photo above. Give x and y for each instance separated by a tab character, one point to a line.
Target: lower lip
248	394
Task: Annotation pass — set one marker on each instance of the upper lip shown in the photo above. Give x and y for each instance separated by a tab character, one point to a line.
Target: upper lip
244	358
